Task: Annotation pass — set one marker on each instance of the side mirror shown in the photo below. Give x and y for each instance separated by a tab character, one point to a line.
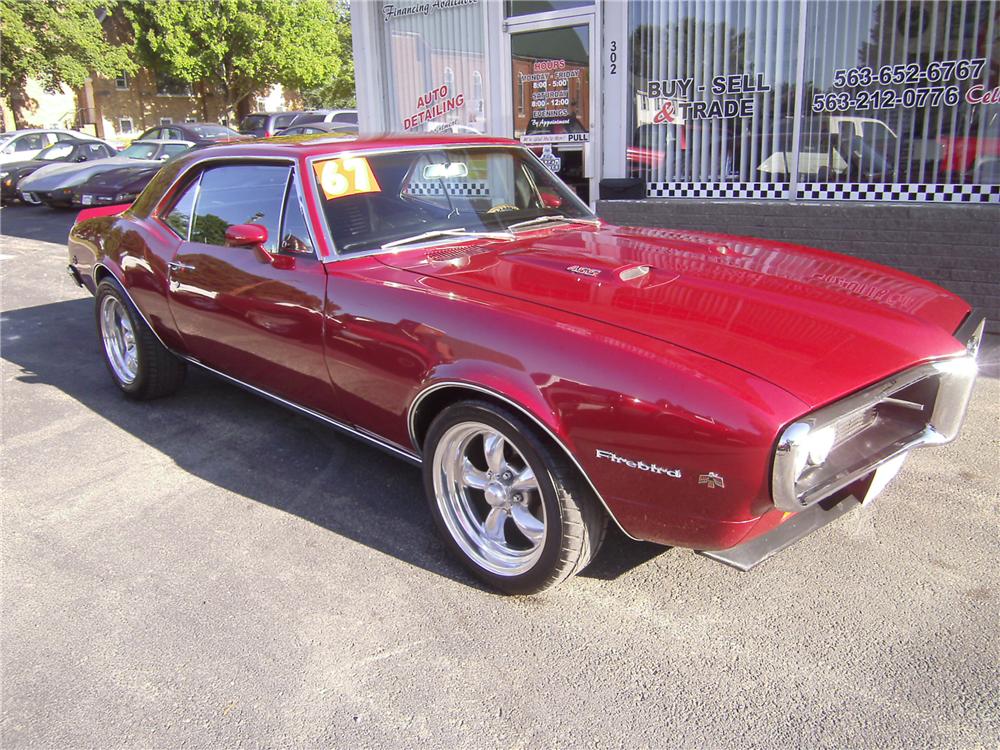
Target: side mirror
82	157
550	199
164	157
255	236
246	235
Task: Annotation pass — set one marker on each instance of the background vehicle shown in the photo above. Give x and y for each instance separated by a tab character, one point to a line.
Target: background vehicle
54	184
343	116
64	151
201	133
20	145
313	128
451	301
268	124
120	185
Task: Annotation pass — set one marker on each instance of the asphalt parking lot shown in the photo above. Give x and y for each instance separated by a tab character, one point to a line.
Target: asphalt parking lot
211	570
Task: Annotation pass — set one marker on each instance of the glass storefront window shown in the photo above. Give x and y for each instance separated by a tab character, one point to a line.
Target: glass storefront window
906	91
436	68
551	79
892	91
712	90
528	7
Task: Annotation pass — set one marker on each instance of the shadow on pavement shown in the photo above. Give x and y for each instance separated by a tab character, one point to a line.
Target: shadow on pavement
251	447
37	223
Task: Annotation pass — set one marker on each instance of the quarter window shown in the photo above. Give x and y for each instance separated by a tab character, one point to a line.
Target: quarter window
179	217
294	231
239	194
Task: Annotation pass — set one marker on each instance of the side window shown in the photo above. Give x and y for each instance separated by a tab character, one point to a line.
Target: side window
294	230
179	216
283	121
30	142
96	151
150	135
239	194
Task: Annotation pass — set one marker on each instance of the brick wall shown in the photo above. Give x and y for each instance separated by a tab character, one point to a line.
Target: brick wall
957	247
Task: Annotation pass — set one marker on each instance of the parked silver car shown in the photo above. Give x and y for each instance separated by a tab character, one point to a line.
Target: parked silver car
53	185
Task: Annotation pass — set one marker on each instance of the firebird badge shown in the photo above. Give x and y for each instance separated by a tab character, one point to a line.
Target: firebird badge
640	465
584	271
712	480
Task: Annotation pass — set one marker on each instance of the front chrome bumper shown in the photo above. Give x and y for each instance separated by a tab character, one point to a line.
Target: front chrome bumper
922	406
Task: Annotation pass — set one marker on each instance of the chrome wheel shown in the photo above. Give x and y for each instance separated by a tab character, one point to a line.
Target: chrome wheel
119	340
489	498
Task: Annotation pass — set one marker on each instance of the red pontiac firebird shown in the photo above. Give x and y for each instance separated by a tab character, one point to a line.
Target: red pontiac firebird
450	301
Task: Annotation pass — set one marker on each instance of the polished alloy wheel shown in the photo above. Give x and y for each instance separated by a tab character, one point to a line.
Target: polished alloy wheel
489	498
119	339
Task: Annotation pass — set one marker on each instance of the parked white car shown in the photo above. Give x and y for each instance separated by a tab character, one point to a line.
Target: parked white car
54	184
21	145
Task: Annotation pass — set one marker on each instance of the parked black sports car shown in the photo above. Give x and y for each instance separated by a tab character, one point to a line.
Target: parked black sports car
120	185
63	151
201	133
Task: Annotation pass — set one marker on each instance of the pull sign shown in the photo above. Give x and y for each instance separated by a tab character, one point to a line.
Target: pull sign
349	176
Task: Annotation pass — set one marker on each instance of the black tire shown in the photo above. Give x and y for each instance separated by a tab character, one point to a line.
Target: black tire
157	371
575	523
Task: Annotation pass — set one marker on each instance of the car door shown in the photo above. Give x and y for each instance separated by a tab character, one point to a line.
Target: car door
254	313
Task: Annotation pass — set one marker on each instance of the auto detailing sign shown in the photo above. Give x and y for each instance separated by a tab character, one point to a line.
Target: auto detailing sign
434	104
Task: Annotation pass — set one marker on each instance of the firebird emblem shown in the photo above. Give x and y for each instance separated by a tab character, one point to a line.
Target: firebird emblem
640	465
584	271
712	480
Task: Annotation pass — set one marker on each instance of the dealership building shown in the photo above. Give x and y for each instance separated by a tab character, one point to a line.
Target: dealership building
869	127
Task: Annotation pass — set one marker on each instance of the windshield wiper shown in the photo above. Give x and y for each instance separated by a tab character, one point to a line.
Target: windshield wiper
543	219
448	233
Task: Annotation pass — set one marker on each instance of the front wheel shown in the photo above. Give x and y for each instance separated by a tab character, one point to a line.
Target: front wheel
139	364
508	504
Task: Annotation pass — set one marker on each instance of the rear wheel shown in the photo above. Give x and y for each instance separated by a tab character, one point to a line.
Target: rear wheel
509	505
139	364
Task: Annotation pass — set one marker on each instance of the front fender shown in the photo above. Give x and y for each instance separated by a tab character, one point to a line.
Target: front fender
394	339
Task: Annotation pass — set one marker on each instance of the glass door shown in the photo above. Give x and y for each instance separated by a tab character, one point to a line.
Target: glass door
553	97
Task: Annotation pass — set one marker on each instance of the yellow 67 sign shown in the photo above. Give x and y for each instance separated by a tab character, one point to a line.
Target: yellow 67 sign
348	176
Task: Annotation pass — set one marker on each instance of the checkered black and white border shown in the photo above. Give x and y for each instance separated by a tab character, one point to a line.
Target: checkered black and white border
753	190
870	191
465	189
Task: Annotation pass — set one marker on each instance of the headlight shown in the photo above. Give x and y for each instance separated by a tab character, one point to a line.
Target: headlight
839	444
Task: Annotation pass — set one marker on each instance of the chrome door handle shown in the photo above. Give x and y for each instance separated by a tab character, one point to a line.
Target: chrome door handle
176	265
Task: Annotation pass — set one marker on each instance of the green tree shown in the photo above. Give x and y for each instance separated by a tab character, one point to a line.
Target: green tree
240	47
55	42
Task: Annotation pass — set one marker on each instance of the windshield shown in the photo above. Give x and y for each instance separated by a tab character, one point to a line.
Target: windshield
371	201
140	151
212	131
253	122
55	152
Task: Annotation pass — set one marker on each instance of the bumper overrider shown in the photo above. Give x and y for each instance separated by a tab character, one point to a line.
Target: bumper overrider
842	455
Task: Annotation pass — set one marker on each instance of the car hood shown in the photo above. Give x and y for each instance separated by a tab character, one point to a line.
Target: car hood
21	166
57	176
817	324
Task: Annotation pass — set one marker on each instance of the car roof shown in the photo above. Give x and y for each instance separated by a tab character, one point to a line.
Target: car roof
303	146
160	141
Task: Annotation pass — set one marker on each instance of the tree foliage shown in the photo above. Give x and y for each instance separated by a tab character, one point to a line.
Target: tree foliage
55	42
243	46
